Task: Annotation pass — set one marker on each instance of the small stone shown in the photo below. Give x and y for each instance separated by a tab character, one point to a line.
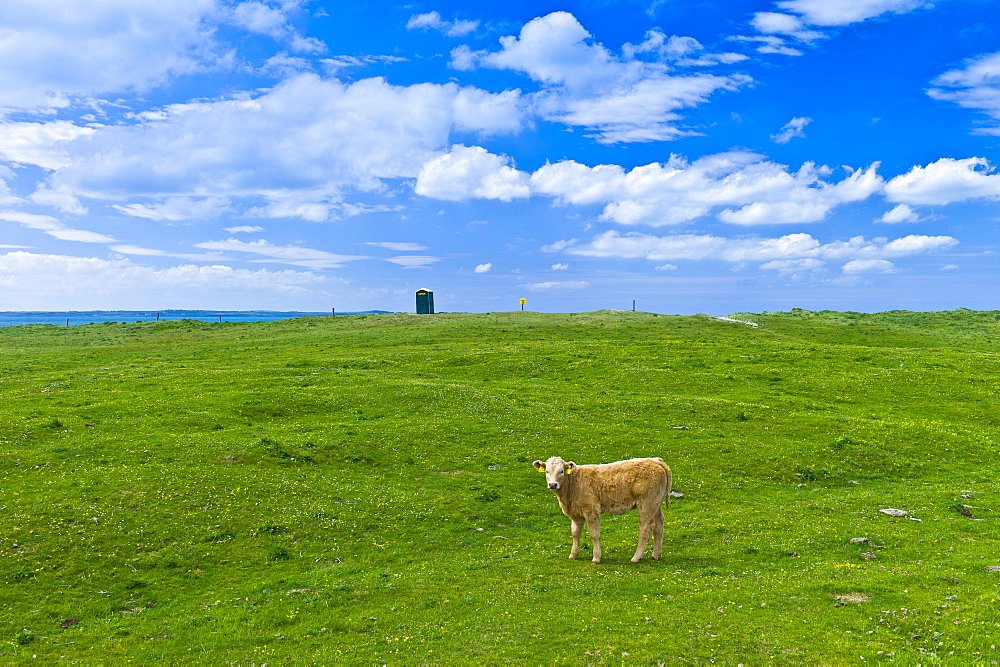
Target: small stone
893	512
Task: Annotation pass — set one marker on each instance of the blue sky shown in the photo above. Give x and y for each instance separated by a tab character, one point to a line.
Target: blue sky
695	157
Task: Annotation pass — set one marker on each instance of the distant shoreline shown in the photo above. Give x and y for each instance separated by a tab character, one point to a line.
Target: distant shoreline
79	317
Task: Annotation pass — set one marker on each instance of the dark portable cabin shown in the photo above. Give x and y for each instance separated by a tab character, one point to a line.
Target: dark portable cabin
425	302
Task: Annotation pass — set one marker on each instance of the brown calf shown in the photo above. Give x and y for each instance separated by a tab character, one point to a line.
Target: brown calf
586	492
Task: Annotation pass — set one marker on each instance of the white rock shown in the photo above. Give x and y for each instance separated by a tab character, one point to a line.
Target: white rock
893	512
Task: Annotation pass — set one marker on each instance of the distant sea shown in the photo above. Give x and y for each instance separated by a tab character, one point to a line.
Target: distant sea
77	317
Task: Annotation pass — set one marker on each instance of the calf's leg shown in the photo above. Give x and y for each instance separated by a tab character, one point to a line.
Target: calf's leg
658	534
577	531
594	527
646	520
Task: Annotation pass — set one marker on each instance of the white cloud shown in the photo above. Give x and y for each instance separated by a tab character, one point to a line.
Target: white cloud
868	266
413	261
178	208
55	228
771	44
293	255
484	268
80	283
264	19
561	266
398	247
39	143
753	190
945	181
774	23
130	249
557	285
299	145
678	50
334	64
8	198
434	21
63	201
975	86
464	59
794	267
900	213
918	243
471	172
54	51
757	191
243	229
791	130
844	12
793	25
619	99
784	249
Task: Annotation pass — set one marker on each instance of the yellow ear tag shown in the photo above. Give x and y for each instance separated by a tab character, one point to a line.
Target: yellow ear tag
569	470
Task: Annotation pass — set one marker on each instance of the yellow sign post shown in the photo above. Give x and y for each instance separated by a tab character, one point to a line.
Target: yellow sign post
523	301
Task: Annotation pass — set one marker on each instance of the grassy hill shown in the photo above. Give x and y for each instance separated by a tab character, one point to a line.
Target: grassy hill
358	489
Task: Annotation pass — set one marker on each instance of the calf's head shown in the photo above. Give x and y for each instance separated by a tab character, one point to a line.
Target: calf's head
555	469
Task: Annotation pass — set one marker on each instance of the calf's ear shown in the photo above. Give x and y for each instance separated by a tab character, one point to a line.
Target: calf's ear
538	465
569	467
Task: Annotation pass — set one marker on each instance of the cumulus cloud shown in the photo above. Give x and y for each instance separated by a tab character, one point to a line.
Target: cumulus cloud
264	19
774	23
976	86
753	190
677	50
857	266
116	45
791	130
63	201
945	181
787	252
74	283
617	99
41	144
471	172
484	268
740	187
433	21
299	146
900	213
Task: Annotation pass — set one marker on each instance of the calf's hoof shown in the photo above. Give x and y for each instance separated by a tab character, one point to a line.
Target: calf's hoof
636	560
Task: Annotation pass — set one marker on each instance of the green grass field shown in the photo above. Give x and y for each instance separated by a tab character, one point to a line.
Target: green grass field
359	489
